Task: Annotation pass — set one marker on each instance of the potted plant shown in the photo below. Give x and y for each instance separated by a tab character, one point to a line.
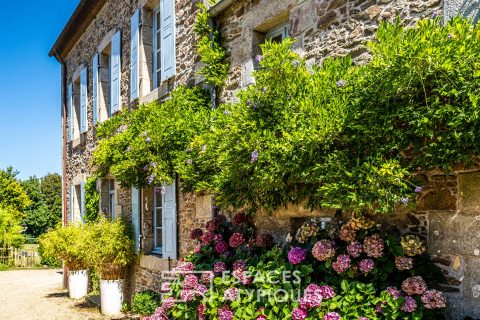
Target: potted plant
112	251
69	244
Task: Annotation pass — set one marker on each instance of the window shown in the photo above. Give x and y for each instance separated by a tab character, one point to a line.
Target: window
111	198
157	60
77	203
157	221
75	115
278	34
107	78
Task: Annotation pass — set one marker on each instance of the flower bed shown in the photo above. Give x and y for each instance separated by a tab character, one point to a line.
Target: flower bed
352	270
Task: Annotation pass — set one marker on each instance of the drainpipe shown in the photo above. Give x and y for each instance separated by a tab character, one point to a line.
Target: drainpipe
220	6
64	148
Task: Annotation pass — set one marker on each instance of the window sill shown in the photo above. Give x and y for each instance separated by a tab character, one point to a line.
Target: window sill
158	93
156	262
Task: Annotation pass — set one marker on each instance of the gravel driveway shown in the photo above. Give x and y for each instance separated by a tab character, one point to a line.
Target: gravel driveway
38	295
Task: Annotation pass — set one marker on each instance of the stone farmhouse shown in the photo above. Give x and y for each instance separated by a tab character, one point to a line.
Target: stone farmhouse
116	54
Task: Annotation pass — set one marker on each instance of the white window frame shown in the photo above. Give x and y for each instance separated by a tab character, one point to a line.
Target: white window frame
157	50
281	30
111	198
157	225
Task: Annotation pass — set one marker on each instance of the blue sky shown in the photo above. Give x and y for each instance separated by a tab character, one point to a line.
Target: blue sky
30	121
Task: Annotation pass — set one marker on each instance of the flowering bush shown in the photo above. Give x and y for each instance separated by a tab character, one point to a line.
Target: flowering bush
322	275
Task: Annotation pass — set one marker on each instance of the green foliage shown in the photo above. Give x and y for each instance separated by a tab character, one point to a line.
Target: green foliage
147	142
48	261
335	135
12	194
92	200
70	244
10	229
145	302
111	247
210	49
44	211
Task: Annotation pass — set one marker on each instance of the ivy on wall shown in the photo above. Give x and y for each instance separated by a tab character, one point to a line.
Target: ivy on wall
334	135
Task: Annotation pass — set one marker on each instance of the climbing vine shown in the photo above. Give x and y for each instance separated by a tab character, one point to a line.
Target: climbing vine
210	49
334	135
92	200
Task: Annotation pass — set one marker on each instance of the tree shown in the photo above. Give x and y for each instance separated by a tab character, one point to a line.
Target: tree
44	211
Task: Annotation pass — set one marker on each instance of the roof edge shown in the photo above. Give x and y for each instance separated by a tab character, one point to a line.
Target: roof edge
81	18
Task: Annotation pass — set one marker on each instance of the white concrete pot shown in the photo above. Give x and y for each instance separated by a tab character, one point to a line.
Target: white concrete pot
111	297
78	284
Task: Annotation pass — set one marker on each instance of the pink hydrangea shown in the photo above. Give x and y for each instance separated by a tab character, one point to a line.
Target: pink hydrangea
312	298
200	289
241	276
168	303
355	249
366	265
187	295
190	281
230	294
211	225
414	285
331	316
239	265
362	318
201	308
217	237
373	246
221	247
225	313
197	249
342	264
165	287
207	237
207	277
394	292
239	218
403	263
160	314
327	292
433	299
185	267
410	305
219	267
236	240
297	255
323	250
299	314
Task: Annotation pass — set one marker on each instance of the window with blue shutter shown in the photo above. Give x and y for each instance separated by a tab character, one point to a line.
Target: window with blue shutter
167	26
95	67
134	55
115	76
70	112
169	221
83	100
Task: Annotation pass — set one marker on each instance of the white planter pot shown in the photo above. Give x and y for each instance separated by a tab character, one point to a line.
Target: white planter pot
111	297
78	284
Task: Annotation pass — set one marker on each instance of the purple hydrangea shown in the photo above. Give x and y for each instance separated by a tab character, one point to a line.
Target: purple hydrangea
394	292
219	267
331	316
355	249
433	299
225	313
299	314
342	264
190	281
239	265
410	305
230	294
373	246
221	247
414	285
366	265
323	250
207	277
297	255
403	263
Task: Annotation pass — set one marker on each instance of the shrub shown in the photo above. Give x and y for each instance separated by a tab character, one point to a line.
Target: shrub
70	244
92	198
349	271
111	248
49	261
145	302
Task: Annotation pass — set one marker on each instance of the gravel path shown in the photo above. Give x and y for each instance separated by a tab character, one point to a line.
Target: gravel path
38	295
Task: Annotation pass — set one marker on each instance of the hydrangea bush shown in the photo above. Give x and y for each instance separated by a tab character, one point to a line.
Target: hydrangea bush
352	270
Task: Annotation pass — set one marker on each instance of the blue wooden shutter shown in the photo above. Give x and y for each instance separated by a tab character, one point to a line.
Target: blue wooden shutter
83	100
167	25
95	88
82	200
134	55
70	112
136	217
115	76
169	222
